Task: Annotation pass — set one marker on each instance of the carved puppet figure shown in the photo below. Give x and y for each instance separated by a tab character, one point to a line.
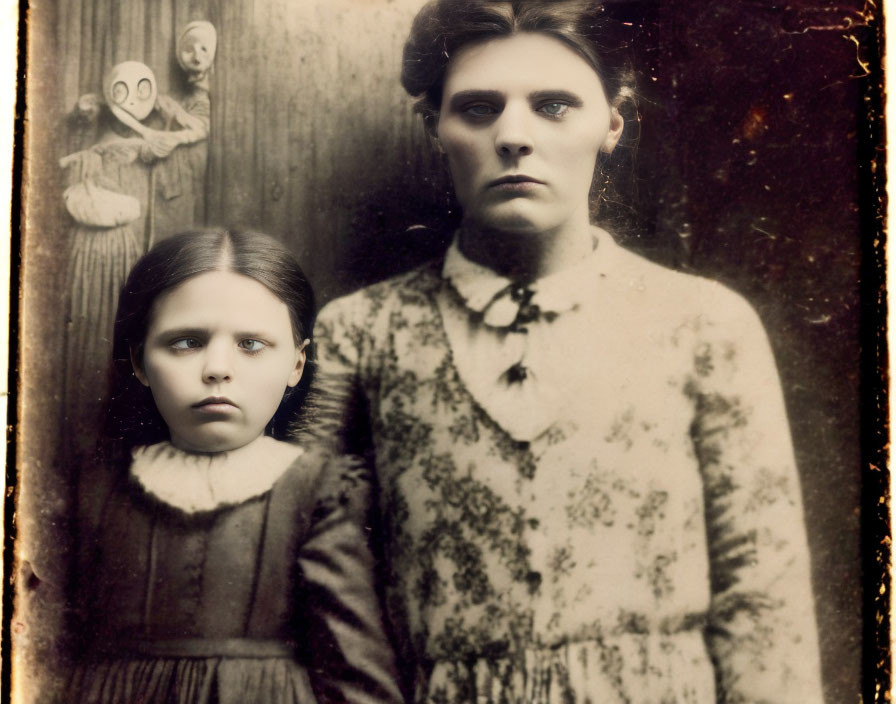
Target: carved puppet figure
117	192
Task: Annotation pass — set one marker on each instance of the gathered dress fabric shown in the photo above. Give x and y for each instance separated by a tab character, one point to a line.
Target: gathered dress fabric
587	486
106	197
235	579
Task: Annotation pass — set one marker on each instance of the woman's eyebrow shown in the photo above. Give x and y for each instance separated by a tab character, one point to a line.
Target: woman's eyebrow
460	99
558	95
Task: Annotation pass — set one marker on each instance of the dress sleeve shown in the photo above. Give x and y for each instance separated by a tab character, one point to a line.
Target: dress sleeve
352	658
761	632
337	412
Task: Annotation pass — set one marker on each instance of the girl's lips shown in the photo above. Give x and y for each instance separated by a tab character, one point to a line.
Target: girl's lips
215	404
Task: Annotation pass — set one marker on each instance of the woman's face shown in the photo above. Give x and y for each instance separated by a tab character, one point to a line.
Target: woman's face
218	355
522	120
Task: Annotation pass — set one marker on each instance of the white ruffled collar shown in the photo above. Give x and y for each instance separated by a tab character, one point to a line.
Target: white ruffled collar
195	482
497	298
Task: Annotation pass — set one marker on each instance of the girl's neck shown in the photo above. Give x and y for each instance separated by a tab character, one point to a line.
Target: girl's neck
248	448
525	256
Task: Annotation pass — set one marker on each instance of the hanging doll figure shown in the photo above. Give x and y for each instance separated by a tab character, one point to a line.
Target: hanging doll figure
196	49
109	197
180	191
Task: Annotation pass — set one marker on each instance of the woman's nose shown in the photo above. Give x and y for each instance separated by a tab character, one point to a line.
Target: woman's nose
514	134
217	365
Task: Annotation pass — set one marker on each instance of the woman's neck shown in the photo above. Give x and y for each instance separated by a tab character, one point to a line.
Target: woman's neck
525	256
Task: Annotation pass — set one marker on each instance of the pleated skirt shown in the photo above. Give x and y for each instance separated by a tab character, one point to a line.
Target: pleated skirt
99	262
201	680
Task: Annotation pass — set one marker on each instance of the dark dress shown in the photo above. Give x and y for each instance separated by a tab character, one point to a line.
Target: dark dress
266	600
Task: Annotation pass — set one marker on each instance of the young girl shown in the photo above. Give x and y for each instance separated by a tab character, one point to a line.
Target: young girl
218	563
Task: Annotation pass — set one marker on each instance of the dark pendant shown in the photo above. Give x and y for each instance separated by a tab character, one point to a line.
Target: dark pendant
517	373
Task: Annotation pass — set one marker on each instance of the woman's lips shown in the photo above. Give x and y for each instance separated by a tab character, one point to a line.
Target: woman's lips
517	184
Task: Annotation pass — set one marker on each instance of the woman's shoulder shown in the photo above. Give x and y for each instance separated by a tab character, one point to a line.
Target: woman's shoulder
414	286
673	294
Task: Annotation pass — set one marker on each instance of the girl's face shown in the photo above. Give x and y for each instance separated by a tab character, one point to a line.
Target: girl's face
522	120
218	355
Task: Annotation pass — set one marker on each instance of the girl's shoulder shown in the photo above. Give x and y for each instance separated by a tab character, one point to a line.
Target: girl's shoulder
334	479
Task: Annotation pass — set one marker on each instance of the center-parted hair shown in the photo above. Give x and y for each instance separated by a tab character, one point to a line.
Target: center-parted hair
443	27
132	416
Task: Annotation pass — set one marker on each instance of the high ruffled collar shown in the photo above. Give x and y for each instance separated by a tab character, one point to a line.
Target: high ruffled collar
502	302
194	482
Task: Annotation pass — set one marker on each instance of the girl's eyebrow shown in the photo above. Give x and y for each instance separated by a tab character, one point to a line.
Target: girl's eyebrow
256	335
181	332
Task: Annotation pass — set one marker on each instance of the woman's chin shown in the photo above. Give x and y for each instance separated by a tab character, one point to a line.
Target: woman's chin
515	221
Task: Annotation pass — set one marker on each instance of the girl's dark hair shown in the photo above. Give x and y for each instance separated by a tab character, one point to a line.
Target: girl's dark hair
132	416
443	27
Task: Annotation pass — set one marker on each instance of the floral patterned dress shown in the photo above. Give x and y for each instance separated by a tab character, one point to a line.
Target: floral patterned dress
587	484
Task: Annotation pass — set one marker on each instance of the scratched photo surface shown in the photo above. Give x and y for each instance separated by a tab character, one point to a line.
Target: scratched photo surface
746	172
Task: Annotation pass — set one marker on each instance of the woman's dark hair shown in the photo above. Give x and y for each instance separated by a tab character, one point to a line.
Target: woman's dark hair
132	416
443	27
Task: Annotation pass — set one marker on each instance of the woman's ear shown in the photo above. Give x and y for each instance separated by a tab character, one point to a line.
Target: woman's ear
137	365
296	374
617	124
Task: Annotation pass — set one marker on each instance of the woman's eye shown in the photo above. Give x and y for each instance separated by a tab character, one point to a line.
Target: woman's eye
554	109
480	110
186	343
252	345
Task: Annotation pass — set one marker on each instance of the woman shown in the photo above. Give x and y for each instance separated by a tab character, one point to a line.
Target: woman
587	483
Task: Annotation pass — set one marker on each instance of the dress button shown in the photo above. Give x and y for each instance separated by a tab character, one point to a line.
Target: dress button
518	293
533	579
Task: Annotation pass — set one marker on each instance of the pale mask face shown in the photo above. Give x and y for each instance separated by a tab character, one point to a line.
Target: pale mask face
131	86
196	47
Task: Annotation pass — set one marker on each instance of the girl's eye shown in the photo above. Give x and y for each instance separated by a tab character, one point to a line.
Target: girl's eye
554	109
186	343
252	346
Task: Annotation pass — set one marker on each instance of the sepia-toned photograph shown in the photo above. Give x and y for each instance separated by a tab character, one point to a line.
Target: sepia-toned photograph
450	352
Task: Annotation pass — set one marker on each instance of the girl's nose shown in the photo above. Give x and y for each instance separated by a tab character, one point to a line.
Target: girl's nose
217	365
513	136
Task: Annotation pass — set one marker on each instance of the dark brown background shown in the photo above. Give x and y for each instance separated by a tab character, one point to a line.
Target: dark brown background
747	171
